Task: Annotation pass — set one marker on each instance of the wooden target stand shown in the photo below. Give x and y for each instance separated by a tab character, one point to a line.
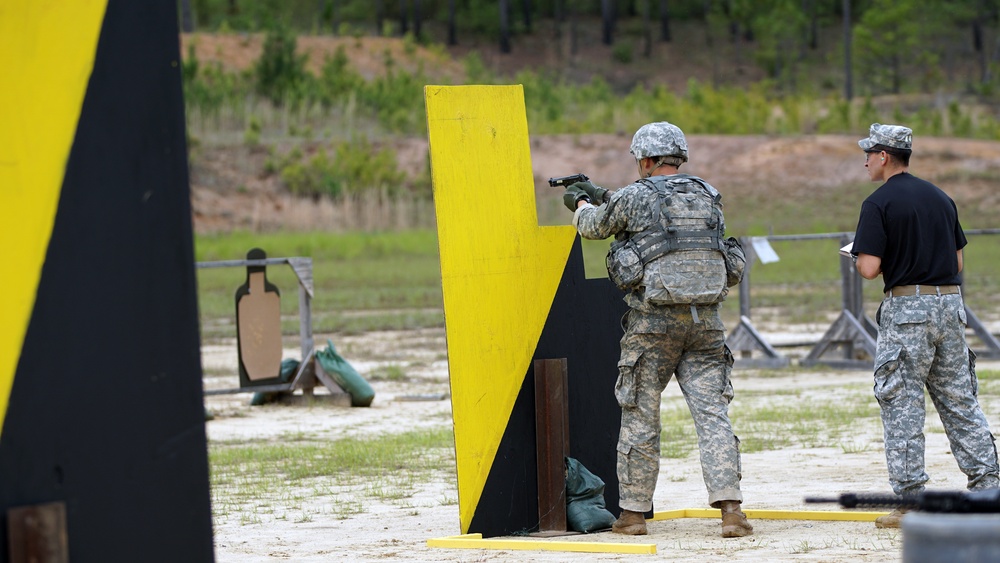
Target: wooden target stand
258	322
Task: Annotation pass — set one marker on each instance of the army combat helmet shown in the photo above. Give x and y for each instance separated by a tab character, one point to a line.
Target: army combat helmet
659	139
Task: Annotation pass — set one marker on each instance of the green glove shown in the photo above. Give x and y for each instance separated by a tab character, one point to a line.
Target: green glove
574	194
598	195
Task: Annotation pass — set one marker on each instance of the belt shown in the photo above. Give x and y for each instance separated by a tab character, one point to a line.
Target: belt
903	290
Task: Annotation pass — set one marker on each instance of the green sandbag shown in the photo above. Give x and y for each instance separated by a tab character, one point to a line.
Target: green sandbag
585	509
289	367
346	376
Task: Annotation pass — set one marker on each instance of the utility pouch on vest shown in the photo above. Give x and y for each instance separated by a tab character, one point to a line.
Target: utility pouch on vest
736	261
624	264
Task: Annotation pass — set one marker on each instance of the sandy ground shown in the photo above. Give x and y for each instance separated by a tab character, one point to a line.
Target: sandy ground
319	530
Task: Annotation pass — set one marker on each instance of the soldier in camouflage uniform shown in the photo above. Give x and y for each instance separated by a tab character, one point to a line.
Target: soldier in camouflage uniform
909	233
661	341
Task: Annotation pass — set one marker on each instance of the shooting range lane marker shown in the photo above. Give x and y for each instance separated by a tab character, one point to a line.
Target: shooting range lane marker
476	541
819	515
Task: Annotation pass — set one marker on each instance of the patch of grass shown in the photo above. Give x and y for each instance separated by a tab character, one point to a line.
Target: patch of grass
392	280
803	421
988	375
391	372
677	435
248	475
362	282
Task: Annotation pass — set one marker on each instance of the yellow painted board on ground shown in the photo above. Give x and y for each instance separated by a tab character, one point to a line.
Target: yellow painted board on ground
47	52
475	541
832	515
499	269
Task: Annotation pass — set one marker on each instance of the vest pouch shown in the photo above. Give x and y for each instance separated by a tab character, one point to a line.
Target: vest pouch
736	261
686	276
624	264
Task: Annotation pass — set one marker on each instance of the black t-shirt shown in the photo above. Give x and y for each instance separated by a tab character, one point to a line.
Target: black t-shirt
913	227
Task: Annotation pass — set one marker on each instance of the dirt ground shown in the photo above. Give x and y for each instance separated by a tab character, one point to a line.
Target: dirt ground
230	191
317	530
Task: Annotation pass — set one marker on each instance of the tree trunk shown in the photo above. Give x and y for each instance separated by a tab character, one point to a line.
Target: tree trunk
607	21
417	17
452	34
647	31
897	74
848	76
978	43
334	18
187	19
504	26
664	22
379	18
526	12
810	10
572	29
403	25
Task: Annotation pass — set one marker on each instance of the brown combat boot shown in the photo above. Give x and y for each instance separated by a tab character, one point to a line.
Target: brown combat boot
734	522
630	523
890	520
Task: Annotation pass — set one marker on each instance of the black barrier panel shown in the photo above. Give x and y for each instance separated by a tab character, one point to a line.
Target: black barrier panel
584	326
106	412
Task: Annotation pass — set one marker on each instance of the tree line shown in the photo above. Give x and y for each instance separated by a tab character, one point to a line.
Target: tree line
889	38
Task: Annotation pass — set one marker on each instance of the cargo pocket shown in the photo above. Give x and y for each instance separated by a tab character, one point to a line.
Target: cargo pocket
727	392
888	379
624	467
972	373
739	459
626	387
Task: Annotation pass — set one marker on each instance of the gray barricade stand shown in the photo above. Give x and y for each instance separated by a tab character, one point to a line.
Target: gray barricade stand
853	333
744	340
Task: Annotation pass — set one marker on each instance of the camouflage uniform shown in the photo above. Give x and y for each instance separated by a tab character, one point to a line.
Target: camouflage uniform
660	341
921	338
921	343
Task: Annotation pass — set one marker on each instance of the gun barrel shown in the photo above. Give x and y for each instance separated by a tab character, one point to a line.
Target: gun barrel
987	501
821	500
568	180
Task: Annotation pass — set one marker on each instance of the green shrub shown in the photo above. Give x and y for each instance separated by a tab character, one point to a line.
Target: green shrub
351	169
622	52
251	135
280	72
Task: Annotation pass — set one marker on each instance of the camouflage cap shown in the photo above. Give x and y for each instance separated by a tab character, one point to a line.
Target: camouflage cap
659	139
892	136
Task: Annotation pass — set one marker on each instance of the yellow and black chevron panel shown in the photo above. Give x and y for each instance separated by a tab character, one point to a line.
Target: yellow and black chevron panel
100	375
513	292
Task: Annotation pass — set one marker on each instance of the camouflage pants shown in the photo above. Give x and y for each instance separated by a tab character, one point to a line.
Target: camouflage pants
921	343
656	346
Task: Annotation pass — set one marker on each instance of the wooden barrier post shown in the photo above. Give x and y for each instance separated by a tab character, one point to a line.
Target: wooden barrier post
551	443
37	534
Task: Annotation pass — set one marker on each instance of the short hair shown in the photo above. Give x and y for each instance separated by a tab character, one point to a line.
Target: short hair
674	161
902	156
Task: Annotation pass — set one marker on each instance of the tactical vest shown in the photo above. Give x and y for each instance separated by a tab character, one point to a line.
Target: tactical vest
679	258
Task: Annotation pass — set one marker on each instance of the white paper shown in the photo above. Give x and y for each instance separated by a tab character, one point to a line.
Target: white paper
763	249
846	251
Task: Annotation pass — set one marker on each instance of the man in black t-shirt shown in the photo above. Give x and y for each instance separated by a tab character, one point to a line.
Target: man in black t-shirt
909	233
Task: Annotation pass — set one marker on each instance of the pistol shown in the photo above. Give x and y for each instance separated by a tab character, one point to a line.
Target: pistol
564	181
